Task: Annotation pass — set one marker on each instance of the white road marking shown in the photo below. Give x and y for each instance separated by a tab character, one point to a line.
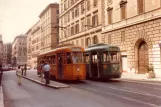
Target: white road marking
119	96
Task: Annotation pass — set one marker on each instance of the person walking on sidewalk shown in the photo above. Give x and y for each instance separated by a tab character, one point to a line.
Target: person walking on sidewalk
19	75
1	73
46	69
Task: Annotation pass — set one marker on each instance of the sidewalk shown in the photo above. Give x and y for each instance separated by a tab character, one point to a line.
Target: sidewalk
138	77
1	97
32	75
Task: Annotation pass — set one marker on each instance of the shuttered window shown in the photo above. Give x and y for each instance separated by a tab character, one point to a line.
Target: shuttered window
140	6
109	16
123	11
95	20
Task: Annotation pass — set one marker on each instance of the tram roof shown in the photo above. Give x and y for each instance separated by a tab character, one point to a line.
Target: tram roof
102	47
64	49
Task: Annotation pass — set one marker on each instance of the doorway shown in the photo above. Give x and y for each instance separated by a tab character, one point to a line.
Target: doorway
143	58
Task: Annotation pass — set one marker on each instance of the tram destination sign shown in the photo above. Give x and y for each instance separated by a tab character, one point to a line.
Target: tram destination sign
76	49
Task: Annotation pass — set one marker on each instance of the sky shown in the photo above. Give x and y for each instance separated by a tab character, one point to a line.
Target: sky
18	16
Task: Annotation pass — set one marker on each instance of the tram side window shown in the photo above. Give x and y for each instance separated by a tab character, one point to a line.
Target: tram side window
69	61
94	58
77	57
105	57
87	59
53	59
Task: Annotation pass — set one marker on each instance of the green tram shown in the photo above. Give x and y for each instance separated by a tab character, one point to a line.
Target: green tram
102	61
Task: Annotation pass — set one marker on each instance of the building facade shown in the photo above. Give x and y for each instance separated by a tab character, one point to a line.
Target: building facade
19	50
33	44
1	48
134	26
7	50
48	22
80	22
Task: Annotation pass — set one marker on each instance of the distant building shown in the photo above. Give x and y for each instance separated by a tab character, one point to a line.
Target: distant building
7	50
33	44
1	48
19	53
49	19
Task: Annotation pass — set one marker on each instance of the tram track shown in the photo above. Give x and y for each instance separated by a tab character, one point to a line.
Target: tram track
129	94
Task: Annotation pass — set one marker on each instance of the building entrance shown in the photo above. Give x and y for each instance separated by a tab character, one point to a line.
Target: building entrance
143	57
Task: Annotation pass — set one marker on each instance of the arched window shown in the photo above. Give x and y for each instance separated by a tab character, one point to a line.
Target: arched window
95	40
88	41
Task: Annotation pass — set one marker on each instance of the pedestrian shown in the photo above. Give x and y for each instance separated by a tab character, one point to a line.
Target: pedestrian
1	73
19	75
46	70
25	69
41	70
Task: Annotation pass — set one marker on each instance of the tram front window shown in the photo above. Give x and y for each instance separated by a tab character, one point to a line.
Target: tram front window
114	56
77	57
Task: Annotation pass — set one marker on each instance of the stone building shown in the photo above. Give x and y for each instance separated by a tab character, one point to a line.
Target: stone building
80	22
134	26
33	44
48	21
7	50
19	51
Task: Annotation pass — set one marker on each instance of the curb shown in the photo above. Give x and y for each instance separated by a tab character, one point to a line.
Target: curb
52	86
1	97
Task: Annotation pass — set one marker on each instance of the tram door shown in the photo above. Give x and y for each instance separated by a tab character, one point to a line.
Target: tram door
95	65
60	65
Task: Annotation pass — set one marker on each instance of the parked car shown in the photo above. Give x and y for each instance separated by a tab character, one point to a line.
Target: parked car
5	68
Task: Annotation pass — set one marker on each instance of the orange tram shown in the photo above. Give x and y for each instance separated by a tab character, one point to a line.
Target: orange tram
67	62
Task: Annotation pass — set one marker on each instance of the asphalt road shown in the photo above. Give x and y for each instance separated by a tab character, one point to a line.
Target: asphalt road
82	94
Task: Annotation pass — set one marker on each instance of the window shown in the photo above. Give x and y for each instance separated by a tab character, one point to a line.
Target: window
109	1
77	11
95	3
69	17
72	30
73	14
123	10
95	20
109	39
109	11
89	20
95	40
77	27
65	5
140	6
72	2
82	8
88	4
88	41
82	25
122	36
